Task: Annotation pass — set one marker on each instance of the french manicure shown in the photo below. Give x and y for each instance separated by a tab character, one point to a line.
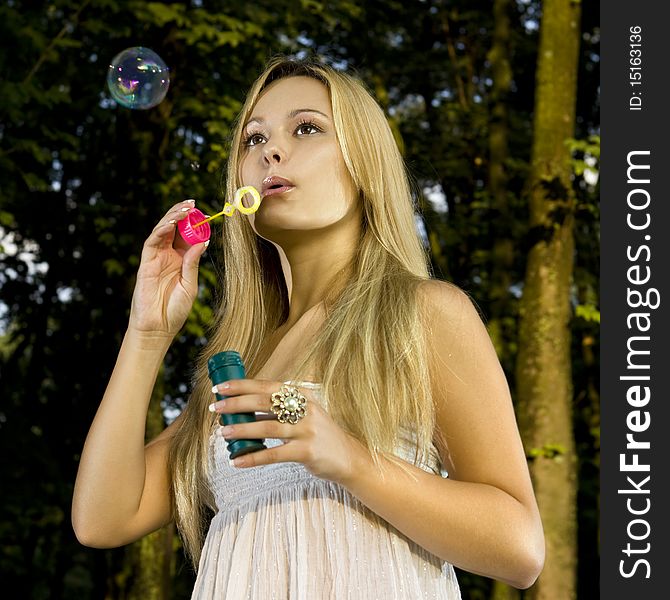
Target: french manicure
212	407
215	389
190	200
184	209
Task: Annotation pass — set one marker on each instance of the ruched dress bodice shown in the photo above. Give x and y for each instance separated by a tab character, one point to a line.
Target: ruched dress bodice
280	533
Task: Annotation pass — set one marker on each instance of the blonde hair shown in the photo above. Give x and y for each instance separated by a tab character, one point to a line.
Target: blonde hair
370	354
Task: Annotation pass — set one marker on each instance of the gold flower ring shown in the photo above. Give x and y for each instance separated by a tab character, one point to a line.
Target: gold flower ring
289	405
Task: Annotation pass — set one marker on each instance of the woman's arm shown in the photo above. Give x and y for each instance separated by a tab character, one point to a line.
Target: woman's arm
122	489
484	518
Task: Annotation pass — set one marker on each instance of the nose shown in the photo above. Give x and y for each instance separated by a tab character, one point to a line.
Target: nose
273	154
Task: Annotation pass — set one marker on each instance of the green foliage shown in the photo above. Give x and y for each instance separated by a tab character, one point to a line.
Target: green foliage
582	151
588	313
551	451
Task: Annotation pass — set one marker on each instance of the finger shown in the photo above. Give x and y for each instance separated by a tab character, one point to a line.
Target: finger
176	212
242	404
171	217
182	206
256	430
270	456
238	387
162	235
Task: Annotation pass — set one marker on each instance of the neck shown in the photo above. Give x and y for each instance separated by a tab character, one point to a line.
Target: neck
313	267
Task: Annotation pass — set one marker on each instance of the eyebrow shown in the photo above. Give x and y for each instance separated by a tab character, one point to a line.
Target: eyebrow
290	115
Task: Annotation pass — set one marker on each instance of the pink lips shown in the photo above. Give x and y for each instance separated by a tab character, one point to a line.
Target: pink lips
274	185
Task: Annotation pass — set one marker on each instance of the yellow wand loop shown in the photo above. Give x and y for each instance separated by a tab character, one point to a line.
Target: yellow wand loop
229	209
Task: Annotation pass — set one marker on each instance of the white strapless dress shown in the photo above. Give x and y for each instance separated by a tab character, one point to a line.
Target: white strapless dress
281	533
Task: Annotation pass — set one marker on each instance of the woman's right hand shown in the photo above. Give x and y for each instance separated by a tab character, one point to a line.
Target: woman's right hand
167	279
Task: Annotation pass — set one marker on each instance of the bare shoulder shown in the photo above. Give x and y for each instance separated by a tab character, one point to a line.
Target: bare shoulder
458	343
446	308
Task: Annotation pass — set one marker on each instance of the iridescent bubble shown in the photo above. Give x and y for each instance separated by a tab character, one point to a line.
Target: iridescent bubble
138	78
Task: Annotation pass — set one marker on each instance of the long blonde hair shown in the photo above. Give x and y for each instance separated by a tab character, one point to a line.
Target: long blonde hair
370	354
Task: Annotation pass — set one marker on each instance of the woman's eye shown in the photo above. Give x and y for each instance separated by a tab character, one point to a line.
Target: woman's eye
254	139
306	129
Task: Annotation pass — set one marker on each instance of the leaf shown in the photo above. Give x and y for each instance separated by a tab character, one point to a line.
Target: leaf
159	14
113	267
551	451
6	219
588	313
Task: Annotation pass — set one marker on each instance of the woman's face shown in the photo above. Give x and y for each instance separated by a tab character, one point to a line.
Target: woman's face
290	153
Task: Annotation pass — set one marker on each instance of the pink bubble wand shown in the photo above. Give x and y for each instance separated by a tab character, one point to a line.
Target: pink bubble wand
195	227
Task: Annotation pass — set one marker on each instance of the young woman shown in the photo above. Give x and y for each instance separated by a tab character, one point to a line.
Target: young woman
407	460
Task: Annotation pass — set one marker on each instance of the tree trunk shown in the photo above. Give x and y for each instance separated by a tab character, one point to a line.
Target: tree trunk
543	369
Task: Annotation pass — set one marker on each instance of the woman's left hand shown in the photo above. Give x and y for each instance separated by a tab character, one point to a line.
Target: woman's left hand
316	441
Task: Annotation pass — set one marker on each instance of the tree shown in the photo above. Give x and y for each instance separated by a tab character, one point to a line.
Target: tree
543	370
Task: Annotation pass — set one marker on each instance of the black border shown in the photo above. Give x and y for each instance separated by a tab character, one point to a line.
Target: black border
624	131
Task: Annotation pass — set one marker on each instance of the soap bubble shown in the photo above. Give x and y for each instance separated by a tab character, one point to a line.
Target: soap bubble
138	78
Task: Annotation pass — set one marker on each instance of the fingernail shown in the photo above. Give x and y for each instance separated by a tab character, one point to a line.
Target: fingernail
232	463
172	221
227	430
215	389
190	200
185	209
224	386
206	243
212	407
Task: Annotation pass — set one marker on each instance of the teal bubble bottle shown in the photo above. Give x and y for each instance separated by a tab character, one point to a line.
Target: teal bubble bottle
222	367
